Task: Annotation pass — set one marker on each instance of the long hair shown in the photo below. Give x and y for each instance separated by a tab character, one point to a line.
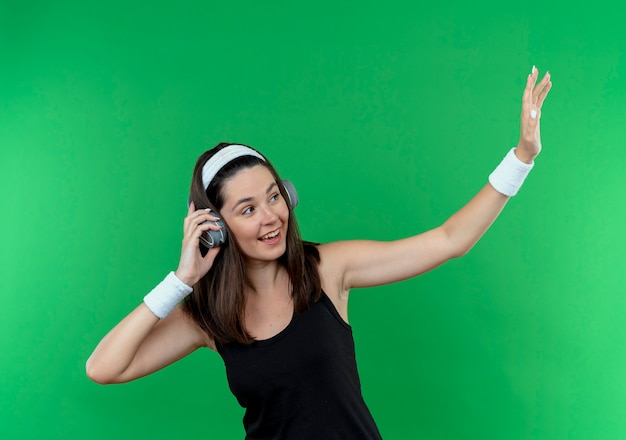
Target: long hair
217	303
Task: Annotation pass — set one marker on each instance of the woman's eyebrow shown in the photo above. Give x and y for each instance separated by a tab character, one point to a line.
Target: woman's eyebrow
270	188
249	199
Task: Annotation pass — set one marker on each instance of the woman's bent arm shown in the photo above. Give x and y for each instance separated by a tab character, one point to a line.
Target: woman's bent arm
142	344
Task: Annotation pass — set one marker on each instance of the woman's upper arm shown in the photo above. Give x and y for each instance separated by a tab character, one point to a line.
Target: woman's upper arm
171	339
362	263
373	263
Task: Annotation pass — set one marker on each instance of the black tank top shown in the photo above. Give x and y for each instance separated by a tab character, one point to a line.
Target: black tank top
302	383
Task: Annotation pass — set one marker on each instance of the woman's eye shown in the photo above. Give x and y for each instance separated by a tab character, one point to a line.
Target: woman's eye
248	210
275	197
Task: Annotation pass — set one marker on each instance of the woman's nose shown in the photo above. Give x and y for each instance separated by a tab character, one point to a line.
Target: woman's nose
269	216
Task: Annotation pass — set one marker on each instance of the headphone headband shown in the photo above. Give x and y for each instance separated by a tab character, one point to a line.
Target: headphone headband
220	159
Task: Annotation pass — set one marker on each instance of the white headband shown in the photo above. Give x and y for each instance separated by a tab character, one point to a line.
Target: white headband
223	157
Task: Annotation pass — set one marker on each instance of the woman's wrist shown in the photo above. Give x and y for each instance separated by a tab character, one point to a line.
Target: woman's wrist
525	156
510	174
164	298
188	280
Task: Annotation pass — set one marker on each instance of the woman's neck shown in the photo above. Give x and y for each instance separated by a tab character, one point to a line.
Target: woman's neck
266	278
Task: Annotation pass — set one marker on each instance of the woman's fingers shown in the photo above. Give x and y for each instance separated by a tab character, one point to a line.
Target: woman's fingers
193	238
198	217
543	88
210	256
527	98
534	95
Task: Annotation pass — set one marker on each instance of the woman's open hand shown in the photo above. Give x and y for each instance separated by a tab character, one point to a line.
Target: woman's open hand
529	144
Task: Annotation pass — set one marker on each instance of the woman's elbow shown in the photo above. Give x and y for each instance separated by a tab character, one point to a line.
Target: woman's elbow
461	250
99	375
453	244
457	248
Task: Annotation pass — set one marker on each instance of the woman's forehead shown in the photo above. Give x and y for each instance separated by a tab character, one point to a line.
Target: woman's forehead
248	182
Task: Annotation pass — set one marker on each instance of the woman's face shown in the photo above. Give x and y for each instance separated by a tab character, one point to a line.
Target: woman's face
256	213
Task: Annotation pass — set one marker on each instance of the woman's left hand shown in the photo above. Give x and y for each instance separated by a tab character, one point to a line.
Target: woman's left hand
529	144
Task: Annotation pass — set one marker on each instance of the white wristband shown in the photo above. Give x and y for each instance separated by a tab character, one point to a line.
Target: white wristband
166	295
508	177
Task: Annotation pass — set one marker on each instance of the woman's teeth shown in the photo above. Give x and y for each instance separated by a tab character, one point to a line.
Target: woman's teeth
270	235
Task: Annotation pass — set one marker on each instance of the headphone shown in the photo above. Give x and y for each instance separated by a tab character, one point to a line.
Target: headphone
211	238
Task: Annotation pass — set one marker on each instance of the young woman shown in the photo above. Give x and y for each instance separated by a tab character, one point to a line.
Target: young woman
276	308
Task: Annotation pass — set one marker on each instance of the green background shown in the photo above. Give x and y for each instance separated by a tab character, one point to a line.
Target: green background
388	117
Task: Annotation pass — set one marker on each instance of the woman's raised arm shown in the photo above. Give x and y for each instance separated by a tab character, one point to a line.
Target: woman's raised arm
370	263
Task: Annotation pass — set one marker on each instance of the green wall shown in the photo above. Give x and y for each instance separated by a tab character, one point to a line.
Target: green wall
387	116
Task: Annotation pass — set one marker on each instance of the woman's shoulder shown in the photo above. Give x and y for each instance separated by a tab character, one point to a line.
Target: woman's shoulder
336	251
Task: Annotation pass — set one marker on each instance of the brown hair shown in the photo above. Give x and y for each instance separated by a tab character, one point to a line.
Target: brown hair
217	303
